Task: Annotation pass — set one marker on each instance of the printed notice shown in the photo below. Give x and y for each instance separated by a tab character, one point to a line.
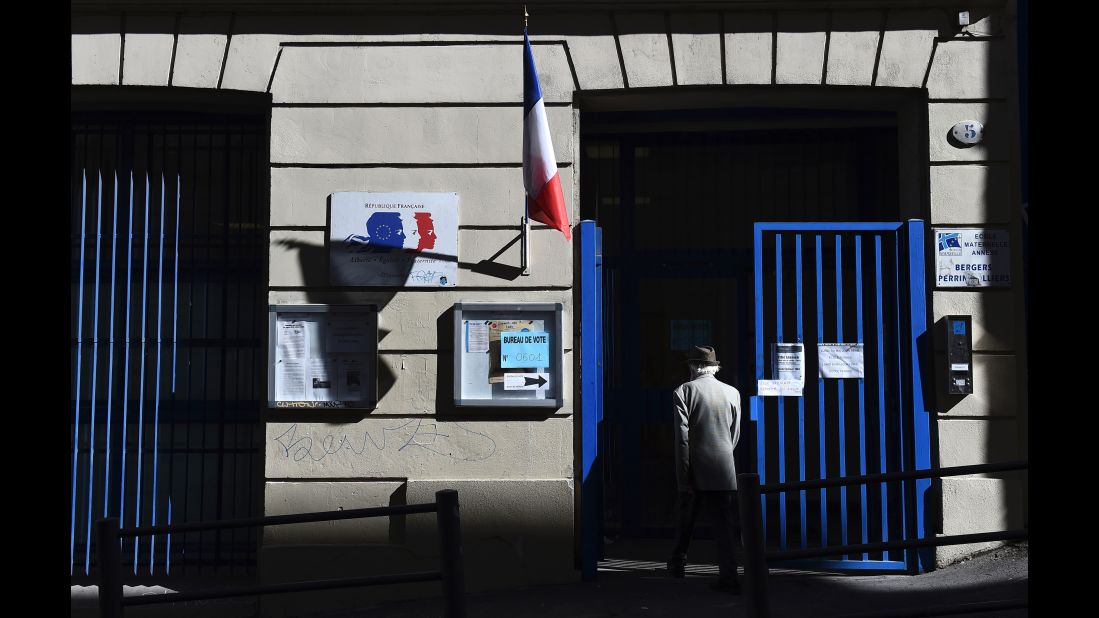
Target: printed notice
322	379
349	385
789	361
779	388
476	337
291	338
290	377
840	360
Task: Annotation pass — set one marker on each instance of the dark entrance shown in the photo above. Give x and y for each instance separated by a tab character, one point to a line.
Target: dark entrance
676	195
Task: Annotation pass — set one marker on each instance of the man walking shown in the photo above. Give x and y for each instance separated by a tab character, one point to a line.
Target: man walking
707	429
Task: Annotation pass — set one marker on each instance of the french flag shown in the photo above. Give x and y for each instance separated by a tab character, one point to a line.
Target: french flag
545	201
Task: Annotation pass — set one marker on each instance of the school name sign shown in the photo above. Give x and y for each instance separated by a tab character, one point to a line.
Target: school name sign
972	258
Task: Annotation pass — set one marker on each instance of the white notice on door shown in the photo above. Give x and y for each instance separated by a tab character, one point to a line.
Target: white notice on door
840	360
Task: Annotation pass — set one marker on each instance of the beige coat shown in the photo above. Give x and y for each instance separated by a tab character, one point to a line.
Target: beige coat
707	429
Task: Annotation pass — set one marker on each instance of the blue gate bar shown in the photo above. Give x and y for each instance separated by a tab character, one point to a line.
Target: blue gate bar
781	431
830	227
820	399
159	348
881	392
110	365
801	400
126	356
839	389
757	411
862	389
79	347
141	376
899	317
168	543
95	368
920	416
175	341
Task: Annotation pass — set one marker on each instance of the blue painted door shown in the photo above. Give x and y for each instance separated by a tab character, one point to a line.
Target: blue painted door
591	395
859	283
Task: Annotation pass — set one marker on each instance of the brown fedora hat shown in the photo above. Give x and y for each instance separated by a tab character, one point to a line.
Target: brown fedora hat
702	354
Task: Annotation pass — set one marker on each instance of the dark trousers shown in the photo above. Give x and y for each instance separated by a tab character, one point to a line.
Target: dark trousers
725	520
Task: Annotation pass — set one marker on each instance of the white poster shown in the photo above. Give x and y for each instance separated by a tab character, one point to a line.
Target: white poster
840	360
393	239
779	388
789	361
972	257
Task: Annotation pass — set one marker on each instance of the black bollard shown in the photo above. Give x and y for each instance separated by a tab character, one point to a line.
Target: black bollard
755	549
109	562
450	538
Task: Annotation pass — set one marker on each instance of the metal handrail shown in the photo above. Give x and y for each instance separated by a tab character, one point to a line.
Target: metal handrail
109	535
756	554
893	476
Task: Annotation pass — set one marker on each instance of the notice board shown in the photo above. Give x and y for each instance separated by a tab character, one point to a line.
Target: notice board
322	356
508	355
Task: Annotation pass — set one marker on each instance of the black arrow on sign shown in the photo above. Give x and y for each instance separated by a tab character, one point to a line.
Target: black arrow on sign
540	380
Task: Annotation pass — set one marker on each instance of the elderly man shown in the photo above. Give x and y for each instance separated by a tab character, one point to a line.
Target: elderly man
707	429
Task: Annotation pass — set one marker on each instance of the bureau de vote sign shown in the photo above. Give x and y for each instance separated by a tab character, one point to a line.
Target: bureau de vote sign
524	349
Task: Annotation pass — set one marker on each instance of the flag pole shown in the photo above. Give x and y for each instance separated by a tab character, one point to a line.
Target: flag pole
525	221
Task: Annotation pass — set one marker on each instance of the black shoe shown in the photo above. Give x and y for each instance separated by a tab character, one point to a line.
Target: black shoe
726	587
676	569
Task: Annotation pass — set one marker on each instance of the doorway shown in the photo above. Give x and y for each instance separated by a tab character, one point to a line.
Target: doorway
676	194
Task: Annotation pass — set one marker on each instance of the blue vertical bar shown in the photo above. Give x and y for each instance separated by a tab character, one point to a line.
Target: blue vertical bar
881	394
921	420
899	324
820	399
757	410
126	356
839	389
110	365
168	548
862	391
95	371
589	351
843	425
175	341
79	347
175	291
141	395
781	431
159	347
801	400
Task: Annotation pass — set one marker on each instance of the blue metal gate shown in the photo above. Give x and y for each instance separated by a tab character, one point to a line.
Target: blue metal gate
844	283
168	303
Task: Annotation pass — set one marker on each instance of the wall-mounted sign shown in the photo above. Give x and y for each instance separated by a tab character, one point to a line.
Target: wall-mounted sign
323	356
972	257
840	360
393	239
508	355
524	349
